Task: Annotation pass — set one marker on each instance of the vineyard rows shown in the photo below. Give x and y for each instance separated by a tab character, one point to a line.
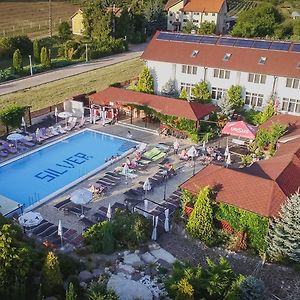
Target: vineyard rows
238	6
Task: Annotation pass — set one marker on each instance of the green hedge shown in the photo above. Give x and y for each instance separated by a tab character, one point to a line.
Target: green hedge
254	225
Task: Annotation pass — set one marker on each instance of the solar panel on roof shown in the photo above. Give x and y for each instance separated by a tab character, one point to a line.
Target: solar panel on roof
296	48
209	40
243	43
261	44
280	46
227	41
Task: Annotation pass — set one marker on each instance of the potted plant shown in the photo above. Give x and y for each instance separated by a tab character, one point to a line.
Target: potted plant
187	202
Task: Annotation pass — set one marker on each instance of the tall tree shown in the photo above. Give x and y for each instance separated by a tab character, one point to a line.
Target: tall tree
268	112
45	57
257	22
36	51
189	26
17	61
169	88
201	92
207	28
146	82
183	94
64	31
234	94
284	234
225	105
200	224
51	275
70	292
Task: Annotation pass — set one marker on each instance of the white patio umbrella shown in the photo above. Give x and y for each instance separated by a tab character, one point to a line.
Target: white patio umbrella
192	152
60	233
125	171
15	137
55	113
167	225
154	232
108	214
23	123
147	186
94	118
203	145
65	115
103	116
38	134
228	159
226	153
81	196
146	204
91	115
176	145
30	219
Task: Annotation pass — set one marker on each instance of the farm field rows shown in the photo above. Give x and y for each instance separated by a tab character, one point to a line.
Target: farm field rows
32	18
238	6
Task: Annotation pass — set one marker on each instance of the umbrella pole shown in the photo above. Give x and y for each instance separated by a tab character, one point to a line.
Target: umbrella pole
61	243
82	211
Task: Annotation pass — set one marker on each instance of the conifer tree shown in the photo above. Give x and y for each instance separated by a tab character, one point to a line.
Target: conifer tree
284	234
200	224
36	51
145	83
45	57
200	92
183	94
17	61
169	88
70	292
252	289
51	274
268	111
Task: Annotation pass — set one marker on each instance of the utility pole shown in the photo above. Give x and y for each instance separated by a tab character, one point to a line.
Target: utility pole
50	19
86	53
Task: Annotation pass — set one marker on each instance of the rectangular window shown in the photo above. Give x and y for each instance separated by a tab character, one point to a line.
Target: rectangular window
196	13
216	72
297	109
213	14
254	99
285	104
206	14
263	79
247	99
221	73
189	69
289	82
295	83
250	77
256	78
227	74
194	70
183	69
217	93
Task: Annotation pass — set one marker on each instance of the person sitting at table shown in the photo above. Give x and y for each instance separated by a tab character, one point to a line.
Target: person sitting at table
183	155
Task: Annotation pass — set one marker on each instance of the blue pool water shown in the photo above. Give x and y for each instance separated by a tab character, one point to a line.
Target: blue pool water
50	169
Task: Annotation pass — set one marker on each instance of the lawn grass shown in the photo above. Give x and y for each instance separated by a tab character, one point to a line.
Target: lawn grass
56	92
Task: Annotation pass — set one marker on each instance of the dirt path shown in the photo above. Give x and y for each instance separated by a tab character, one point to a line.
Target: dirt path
280	281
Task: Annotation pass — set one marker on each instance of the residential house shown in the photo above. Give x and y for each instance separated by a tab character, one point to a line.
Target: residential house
77	23
196	11
263	68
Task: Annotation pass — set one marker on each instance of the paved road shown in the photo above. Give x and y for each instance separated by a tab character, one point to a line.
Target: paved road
38	79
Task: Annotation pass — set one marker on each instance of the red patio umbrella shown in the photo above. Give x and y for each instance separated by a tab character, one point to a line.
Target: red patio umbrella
240	129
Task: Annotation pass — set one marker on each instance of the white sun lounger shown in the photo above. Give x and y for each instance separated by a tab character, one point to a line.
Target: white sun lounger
60	129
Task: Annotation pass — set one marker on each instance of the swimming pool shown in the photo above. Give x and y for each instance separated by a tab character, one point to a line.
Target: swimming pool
48	171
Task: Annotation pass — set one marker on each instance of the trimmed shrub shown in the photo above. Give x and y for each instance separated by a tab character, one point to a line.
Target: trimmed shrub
17	61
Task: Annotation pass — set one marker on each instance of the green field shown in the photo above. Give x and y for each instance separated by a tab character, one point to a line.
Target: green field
32	17
56	92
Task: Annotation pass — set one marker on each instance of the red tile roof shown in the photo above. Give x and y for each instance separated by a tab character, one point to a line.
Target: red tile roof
168	106
213	6
261	188
279	63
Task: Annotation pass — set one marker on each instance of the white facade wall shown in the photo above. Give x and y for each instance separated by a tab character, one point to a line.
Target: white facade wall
258	93
176	15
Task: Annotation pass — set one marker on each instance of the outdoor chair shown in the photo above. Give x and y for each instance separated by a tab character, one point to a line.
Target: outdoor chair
100	217
80	124
48	232
151	153
41	228
113	174
62	203
60	129
6	147
87	222
106	183
26	143
3	154
53	131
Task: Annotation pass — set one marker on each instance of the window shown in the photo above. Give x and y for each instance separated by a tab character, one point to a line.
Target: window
188	87
292	83
183	68
206	14
254	99
291	105
289	82
295	83
257	78
219	73
185	13
188	69
227	56
196	14
195	21
195	70
194	53
170	14
217	93
213	14
262	60
185	20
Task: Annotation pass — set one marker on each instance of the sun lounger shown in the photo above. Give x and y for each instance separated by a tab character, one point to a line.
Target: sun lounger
87	222
81	123
41	228
100	217
76	209
72	123
113	174
159	156
162	147
53	131
47	233
3	154
27	143
109	179
144	161
151	153
6	147
118	205
62	203
116	179
106	182
60	129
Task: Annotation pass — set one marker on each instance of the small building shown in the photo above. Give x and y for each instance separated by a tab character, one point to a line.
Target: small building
196	11
295	15
77	23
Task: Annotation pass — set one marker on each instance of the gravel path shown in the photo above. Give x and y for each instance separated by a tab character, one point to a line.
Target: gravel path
281	281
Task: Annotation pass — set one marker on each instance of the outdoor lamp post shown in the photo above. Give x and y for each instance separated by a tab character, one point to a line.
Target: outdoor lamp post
165	183
86	53
30	64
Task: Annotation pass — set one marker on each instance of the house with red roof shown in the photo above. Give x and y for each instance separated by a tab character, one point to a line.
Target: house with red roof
196	11
263	68
261	188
